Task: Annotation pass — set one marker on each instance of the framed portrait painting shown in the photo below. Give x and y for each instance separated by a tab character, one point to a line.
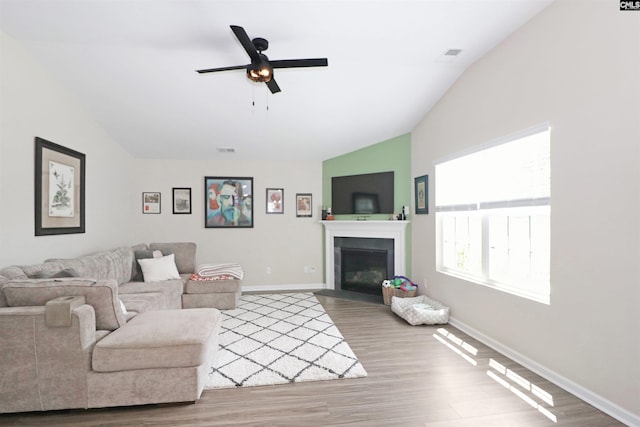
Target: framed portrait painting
182	200
303	205
228	202
421	194
59	189
275	200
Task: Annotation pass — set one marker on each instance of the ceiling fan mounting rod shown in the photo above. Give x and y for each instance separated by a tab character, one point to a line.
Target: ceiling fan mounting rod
260	44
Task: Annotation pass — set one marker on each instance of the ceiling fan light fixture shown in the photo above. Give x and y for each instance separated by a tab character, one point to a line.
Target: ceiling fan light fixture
260	74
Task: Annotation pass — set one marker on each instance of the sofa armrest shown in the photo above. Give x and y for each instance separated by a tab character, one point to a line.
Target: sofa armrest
44	368
59	311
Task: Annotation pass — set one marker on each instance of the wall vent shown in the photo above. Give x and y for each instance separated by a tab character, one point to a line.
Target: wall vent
226	150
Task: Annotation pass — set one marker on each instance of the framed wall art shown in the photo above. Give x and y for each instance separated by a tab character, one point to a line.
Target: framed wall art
422	194
303	205
228	202
182	200
151	202
275	200
59	189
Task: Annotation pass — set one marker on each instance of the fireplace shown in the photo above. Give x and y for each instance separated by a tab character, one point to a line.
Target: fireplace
389	237
361	264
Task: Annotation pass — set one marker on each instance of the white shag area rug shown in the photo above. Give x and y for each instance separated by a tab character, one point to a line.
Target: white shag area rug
280	338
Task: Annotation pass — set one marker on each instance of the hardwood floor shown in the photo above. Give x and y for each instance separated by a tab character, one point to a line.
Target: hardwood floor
418	376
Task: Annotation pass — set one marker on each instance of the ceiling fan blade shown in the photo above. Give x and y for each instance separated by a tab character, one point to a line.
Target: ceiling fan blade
246	43
273	86
297	63
213	70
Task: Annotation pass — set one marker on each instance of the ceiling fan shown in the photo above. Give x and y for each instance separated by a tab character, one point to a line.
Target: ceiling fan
261	68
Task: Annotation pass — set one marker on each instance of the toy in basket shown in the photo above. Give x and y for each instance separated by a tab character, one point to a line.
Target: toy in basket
398	286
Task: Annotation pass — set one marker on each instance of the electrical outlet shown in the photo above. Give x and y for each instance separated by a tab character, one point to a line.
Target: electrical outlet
268	270
306	269
312	269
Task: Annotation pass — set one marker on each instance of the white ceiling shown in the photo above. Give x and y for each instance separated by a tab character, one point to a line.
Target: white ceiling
132	65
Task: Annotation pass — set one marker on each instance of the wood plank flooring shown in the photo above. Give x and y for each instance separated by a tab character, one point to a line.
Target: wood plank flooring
418	376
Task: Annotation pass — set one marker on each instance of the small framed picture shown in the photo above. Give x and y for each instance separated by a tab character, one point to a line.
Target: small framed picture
151	202
181	200
422	194
275	200
303	205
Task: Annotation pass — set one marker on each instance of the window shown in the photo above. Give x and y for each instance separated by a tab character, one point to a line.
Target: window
493	214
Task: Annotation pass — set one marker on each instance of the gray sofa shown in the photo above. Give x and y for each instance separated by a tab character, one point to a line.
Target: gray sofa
87	333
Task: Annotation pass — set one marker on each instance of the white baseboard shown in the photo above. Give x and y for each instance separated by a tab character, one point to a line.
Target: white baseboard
577	390
283	288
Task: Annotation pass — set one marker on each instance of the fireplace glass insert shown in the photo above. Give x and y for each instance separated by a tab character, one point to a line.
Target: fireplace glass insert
363	263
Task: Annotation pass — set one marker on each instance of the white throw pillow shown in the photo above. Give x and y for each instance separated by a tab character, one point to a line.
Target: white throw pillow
159	269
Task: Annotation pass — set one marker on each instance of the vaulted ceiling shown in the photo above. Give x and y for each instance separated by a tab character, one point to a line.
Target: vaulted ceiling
131	65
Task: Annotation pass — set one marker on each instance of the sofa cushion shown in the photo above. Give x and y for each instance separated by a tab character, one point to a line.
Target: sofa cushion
211	286
159	269
146	254
114	264
185	254
52	274
170	289
140	303
3	301
14	272
101	295
159	339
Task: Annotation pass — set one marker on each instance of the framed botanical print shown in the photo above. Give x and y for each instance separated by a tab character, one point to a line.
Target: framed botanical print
228	202
303	205
421	194
275	200
59	189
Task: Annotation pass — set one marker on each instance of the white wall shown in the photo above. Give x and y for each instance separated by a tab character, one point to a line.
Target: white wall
35	105
283	242
32	104
576	65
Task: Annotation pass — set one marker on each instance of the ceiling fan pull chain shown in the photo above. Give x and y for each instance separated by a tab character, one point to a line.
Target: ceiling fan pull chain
267	95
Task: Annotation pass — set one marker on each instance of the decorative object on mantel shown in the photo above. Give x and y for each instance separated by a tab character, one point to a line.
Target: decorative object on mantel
59	189
277	339
402	216
327	215
398	286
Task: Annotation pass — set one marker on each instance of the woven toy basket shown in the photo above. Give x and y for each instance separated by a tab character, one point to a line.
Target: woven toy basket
387	293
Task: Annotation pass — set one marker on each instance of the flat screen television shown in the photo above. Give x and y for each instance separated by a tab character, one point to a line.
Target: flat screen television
363	194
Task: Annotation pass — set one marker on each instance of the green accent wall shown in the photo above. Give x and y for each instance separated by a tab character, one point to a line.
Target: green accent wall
390	155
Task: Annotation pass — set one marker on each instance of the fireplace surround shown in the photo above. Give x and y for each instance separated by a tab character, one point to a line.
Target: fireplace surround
393	231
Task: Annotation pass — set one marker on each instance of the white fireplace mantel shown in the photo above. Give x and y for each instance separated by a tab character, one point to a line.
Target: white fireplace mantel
395	230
